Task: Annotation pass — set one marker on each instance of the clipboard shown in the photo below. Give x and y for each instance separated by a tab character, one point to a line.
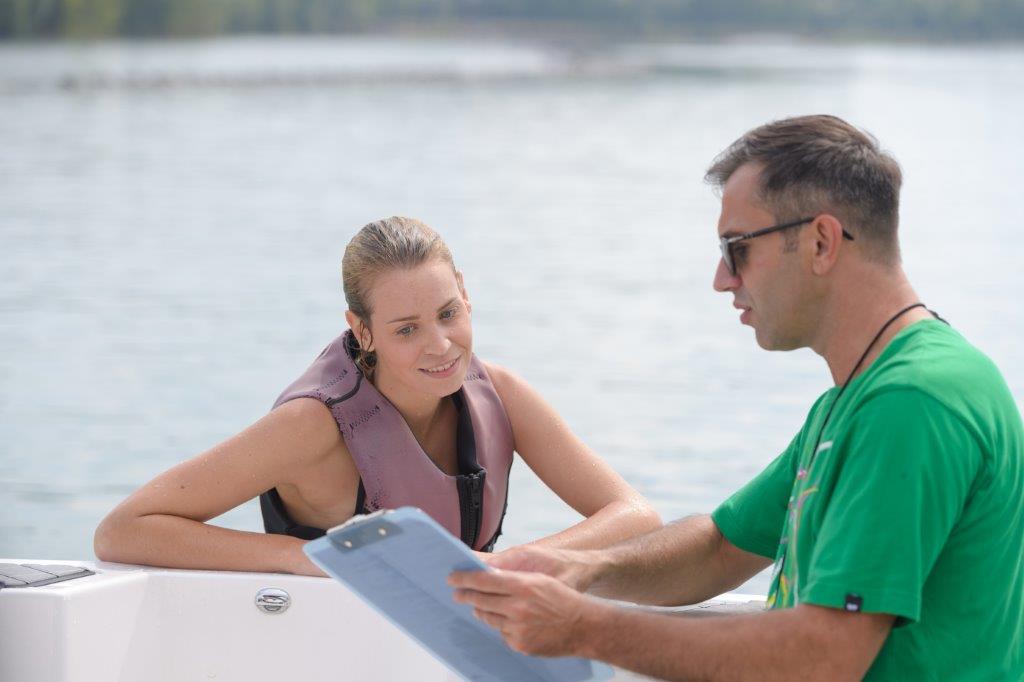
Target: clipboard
397	562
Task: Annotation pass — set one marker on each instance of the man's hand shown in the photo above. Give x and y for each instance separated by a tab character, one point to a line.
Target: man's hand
535	614
575	568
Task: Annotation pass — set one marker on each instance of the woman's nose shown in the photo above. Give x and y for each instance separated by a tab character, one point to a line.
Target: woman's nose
439	343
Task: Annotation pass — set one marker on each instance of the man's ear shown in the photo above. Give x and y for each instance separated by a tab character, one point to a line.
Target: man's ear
361	330
827	234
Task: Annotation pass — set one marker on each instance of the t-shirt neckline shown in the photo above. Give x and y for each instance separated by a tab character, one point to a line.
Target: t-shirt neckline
890	348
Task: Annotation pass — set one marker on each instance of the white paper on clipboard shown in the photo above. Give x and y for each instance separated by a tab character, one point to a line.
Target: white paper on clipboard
398	562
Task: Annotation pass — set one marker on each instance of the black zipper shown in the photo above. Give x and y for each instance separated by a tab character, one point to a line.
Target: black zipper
470	488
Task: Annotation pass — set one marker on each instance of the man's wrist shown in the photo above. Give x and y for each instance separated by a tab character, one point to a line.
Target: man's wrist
595	618
597	567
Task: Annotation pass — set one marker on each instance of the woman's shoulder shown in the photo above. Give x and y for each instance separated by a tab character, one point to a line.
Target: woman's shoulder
309	425
510	387
501	377
308	410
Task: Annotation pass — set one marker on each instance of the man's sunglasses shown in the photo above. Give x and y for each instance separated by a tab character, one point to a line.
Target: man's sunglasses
726	242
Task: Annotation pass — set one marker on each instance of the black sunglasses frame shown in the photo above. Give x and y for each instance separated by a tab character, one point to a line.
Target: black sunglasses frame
725	243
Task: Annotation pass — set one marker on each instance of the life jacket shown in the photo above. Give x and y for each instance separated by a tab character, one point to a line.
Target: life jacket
394	470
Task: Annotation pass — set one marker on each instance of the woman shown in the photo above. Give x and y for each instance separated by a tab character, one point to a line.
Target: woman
396	411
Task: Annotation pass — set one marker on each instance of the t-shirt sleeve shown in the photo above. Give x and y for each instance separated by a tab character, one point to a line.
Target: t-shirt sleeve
906	470
753	516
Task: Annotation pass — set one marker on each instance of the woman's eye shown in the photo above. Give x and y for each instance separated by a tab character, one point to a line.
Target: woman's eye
405	331
448	314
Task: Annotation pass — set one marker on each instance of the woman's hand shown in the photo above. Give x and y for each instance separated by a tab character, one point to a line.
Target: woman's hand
303	566
298	563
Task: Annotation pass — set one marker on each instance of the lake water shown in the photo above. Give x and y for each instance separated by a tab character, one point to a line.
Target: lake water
172	217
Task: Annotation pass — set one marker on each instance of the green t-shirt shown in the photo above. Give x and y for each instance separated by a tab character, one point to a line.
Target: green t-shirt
913	505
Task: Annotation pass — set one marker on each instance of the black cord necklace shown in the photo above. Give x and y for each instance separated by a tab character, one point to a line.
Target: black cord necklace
821	431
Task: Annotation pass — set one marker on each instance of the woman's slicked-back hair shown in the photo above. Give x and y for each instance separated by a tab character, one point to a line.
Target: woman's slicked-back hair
821	163
395	242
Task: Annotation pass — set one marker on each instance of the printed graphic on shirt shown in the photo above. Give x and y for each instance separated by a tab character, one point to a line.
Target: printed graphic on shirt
785	587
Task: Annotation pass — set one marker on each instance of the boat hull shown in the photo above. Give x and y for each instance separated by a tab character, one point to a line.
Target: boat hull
128	623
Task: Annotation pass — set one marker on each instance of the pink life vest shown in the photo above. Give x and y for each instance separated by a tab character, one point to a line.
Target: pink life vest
394	470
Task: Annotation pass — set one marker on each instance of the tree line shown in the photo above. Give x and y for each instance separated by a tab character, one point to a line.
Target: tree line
923	19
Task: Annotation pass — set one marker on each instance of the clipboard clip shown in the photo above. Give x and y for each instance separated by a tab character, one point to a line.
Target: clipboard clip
363	530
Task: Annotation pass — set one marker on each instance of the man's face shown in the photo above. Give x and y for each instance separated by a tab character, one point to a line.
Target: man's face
769	286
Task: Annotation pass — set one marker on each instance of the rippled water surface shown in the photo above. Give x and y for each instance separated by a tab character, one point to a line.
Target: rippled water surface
172	217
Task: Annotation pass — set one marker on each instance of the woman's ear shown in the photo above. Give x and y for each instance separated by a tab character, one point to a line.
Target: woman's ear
462	290
360	329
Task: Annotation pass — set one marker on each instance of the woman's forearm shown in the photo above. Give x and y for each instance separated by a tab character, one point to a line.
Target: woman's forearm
177	542
617	521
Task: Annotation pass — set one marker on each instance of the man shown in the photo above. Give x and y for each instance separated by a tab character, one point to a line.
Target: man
895	517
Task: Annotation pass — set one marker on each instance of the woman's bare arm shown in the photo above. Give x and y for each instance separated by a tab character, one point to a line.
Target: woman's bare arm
613	509
163	523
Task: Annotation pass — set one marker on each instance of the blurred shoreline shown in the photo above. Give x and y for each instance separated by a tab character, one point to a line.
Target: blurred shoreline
573	33
432	57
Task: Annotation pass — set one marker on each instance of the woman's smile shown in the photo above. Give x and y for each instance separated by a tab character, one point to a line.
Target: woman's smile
444	370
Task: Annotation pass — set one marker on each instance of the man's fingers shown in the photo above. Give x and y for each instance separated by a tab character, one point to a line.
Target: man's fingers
487	557
495	582
509	559
483	601
495	620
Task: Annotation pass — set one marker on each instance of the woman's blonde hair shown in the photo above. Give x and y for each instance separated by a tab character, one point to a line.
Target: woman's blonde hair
395	242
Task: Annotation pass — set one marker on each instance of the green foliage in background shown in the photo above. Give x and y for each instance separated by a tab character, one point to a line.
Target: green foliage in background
936	19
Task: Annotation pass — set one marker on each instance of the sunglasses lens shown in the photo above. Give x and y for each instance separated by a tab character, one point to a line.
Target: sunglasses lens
727	257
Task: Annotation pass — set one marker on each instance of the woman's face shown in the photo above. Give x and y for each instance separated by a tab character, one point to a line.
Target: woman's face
421	329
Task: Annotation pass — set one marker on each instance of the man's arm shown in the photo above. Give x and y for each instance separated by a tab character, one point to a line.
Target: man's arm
539	615
691	560
685	562
804	643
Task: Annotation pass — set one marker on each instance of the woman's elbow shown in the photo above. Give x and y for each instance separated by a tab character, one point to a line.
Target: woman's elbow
644	517
108	542
649	518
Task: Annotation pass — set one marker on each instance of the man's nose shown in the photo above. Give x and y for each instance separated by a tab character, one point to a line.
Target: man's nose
725	280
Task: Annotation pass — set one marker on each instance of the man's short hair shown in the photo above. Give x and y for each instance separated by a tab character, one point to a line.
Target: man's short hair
822	164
